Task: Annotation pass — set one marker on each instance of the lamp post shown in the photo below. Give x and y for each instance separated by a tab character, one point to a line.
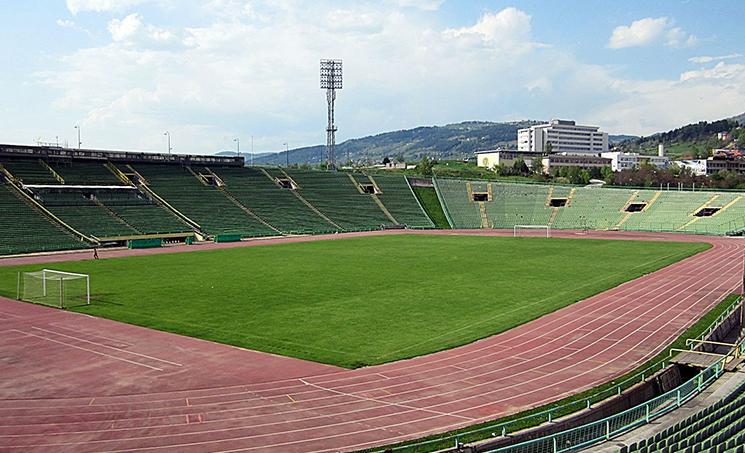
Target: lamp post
237	146
252	150
168	134
77	126
287	155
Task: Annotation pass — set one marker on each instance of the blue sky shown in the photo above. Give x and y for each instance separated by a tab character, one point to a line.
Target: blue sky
209	71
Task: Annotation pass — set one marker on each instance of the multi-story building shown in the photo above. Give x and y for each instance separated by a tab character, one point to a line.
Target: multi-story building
493	158
586	161
625	161
564	136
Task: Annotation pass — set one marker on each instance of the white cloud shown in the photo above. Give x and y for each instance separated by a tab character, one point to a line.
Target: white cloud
424	5
65	23
648	31
76	6
678	38
132	31
508	30
709	58
721	70
254	71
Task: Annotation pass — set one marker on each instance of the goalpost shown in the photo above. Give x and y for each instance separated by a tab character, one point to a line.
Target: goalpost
54	288
517	228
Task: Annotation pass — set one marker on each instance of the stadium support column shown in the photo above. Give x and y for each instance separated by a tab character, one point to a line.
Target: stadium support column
331	80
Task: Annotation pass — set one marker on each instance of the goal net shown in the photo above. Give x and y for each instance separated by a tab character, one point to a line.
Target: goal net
54	288
518	229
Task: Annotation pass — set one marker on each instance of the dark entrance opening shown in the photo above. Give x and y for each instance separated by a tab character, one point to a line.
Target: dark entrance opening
707	212
557	202
636	207
367	188
285	183
480	196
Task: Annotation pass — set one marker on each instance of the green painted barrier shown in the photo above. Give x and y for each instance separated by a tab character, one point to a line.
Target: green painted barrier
189	240
228	238
144	243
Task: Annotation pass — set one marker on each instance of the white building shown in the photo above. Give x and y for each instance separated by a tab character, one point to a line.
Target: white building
697	166
626	161
565	137
494	158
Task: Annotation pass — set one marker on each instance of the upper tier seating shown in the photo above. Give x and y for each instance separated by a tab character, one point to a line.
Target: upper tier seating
29	171
24	229
86	174
278	206
205	205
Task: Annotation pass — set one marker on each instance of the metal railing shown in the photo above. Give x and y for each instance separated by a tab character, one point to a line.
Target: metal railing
548	415
605	429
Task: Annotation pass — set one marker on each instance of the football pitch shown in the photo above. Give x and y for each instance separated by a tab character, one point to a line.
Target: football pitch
360	301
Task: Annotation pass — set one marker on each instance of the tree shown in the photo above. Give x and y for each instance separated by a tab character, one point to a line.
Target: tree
386	160
425	166
538	164
400	158
549	147
607	174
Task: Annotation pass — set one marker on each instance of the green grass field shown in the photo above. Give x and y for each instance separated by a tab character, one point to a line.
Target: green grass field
360	301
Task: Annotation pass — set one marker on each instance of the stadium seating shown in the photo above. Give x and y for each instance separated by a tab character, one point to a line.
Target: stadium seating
81	212
24	229
397	196
205	205
141	213
719	427
336	196
518	204
594	208
29	171
279	207
460	209
86	174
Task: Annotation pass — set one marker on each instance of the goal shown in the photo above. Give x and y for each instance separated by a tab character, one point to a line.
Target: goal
517	228
54	288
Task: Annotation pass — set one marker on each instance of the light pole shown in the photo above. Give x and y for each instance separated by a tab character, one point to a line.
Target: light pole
77	126
237	146
252	150
168	134
287	155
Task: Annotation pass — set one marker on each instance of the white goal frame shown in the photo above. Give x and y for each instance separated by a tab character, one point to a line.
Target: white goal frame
531	227
49	277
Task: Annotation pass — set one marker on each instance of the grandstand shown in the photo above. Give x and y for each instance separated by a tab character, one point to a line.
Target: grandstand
27	230
718	427
81	211
119	195
260	192
85	173
336	196
594	208
204	204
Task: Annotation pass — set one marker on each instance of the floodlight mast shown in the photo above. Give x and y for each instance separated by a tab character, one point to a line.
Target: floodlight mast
331	80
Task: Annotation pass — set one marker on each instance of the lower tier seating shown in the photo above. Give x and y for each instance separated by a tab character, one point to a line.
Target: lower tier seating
24	229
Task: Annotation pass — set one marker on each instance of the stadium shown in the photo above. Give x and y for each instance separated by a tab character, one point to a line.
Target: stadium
159	302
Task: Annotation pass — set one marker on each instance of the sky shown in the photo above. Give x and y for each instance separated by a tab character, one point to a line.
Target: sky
208	72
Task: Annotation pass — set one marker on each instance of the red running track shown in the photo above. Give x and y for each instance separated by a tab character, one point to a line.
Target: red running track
76	383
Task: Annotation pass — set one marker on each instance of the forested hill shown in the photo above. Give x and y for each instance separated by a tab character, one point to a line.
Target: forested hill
452	141
692	140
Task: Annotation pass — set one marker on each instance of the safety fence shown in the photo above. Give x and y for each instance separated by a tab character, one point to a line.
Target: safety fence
655	406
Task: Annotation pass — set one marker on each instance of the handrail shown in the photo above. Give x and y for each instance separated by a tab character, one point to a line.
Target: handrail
548	415
604	429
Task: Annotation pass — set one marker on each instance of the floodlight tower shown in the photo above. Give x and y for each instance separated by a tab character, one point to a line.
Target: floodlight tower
331	81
